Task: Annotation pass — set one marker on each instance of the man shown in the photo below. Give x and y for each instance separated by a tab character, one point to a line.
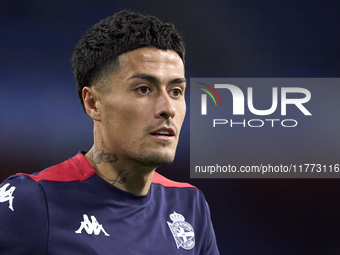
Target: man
130	79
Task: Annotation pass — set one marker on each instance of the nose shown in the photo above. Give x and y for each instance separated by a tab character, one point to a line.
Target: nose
164	106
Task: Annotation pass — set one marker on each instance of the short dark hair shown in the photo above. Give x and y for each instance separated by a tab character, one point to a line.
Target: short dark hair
99	48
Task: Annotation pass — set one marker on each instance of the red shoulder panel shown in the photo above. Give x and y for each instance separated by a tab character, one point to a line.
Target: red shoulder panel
73	169
160	179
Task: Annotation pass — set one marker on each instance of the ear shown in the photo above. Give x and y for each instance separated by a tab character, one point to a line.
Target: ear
90	102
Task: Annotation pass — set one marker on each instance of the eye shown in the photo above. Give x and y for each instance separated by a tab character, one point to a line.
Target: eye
143	90
176	92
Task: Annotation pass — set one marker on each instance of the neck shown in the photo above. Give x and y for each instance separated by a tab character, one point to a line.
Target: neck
123	174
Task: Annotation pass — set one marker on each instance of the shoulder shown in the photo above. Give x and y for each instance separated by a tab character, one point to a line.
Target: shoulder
179	196
26	190
187	201
23	213
19	192
76	168
170	188
160	179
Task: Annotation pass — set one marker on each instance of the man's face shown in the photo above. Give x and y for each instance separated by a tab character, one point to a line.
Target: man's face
142	115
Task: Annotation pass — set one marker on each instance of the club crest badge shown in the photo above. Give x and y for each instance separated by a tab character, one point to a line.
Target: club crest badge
182	231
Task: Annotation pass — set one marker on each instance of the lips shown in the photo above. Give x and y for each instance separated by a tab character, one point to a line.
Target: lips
163	132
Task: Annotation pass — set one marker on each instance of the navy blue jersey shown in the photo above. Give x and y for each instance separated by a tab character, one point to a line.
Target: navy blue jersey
69	209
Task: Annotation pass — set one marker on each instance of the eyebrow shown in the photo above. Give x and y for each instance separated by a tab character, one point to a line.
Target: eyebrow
152	79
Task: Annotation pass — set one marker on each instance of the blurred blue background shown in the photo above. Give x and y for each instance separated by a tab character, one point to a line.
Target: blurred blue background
42	122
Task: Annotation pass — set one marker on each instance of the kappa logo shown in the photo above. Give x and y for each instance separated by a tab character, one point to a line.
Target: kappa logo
182	231
91	227
7	195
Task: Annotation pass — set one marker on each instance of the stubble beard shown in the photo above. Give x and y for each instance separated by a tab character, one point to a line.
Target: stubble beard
151	159
148	158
